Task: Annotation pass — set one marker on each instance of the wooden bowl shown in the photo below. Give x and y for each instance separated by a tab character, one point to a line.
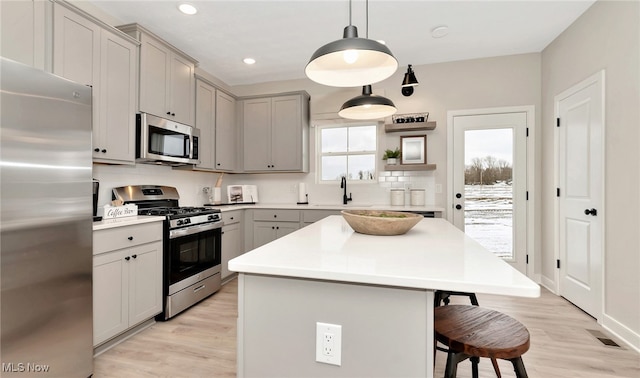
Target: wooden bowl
374	222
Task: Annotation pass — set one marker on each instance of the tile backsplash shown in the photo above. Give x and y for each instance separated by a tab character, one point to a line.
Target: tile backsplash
272	188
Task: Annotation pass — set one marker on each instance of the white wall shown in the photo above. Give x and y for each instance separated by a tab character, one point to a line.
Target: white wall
480	83
606	36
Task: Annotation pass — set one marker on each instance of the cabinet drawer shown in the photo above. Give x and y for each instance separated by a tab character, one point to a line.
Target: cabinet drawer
231	217
311	216
124	237
276	215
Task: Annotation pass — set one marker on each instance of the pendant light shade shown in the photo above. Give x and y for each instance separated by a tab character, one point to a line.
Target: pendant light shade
351	61
367	106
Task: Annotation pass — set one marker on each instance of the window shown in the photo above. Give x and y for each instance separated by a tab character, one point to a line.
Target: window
347	150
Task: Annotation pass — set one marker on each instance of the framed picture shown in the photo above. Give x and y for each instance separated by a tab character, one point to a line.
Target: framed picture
413	149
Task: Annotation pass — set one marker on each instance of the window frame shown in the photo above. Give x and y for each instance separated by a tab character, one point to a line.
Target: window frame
347	125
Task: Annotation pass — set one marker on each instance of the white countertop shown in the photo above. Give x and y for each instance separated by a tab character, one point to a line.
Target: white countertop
293	206
126	221
432	255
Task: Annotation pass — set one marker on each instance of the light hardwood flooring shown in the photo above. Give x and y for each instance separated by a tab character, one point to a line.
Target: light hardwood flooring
201	342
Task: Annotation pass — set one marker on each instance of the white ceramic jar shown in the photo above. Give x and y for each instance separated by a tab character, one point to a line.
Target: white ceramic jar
417	197
397	197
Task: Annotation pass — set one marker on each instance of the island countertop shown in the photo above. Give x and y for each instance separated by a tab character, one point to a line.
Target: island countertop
434	255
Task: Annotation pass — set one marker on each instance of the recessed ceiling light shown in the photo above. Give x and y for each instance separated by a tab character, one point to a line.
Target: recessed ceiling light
440	31
249	60
187	8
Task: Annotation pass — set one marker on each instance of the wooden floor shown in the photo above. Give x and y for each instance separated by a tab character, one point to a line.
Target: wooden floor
201	342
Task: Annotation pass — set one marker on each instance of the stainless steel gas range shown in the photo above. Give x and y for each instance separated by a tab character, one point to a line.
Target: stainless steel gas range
192	245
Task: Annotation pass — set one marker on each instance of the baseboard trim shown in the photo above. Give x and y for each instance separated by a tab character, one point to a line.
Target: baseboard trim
98	350
622	332
548	284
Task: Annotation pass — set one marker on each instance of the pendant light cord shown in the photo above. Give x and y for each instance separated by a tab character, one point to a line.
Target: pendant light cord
366	30
350	12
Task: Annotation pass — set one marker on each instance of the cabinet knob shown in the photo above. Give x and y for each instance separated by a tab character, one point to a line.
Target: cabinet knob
277	228
275	215
458	206
96	149
127	258
273	228
130	238
222	233
231	218
168	113
173	114
218	164
104	151
134	256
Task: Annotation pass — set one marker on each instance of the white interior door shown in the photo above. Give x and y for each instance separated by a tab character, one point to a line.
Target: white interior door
489	182
580	113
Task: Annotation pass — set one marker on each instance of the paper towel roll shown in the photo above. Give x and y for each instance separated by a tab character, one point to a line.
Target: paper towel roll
302	193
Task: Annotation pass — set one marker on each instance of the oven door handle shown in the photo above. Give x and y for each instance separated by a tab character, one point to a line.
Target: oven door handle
194	229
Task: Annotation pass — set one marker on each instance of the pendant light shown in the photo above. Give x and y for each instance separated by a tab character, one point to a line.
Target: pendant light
367	106
351	61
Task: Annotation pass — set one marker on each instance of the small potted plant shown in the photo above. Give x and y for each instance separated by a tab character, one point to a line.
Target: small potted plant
391	156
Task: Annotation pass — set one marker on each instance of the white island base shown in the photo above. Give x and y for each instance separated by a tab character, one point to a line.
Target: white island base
384	329
379	289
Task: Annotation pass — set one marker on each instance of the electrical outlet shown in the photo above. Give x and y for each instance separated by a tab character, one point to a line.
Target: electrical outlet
438	188
329	343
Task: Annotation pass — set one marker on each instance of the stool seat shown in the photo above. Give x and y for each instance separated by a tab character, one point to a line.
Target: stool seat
473	331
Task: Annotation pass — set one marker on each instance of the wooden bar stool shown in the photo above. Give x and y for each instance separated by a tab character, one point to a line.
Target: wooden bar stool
473	332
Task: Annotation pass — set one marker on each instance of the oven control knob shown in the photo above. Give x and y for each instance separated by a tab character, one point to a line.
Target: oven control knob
180	222
187	221
211	217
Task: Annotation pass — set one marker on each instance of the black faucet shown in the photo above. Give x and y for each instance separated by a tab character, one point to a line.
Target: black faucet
343	185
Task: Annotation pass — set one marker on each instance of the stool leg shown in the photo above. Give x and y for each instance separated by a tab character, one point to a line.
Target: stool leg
518	367
453	359
451	368
474	366
494	362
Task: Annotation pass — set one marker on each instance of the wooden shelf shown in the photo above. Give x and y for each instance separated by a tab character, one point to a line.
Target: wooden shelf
412	126
409	167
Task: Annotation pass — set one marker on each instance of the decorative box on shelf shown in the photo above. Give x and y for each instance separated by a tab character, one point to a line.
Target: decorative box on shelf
113	212
410	122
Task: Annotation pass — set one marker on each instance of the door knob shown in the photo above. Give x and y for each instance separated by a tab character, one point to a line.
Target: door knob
593	212
458	206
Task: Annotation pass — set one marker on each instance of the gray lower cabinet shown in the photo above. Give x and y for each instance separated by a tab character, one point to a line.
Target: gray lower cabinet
127	278
232	237
269	225
312	216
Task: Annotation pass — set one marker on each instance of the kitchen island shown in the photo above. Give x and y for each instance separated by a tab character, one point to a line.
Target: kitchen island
379	289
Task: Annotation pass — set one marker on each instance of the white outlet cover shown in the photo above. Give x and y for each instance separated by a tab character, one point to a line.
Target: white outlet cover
336	356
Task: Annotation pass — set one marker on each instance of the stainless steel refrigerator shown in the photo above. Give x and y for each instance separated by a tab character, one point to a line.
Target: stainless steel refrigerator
46	224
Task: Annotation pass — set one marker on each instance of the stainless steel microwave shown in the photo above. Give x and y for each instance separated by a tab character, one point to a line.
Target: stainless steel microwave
162	141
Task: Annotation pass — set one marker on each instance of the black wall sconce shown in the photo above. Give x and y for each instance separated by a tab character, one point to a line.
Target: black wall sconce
409	82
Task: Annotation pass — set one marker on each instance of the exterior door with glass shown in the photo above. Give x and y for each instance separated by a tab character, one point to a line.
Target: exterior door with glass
489	187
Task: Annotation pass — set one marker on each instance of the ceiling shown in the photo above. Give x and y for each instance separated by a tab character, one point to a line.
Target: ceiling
282	35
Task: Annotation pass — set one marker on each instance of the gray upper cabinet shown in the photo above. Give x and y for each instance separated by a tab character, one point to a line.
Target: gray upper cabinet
22	32
226	152
216	120
205	122
91	53
167	80
283	122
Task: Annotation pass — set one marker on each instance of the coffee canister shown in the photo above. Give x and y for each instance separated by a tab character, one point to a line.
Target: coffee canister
397	197
417	197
